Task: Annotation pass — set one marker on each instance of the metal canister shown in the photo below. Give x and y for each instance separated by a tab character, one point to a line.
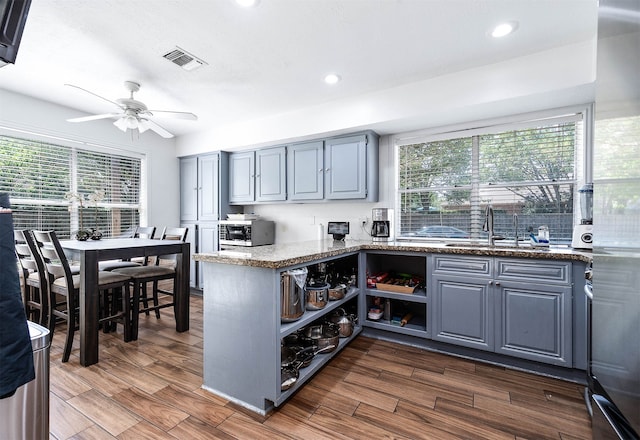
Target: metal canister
292	298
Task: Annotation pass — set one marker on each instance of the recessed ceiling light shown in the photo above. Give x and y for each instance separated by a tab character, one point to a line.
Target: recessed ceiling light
247	3
332	78
504	29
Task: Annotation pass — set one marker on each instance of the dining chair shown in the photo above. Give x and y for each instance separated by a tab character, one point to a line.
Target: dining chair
138	232
164	268
35	282
64	289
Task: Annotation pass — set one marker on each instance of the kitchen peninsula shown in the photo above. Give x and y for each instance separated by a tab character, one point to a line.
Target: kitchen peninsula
516	306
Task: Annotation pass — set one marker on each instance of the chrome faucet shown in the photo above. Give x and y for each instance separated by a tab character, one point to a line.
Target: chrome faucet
515	227
488	224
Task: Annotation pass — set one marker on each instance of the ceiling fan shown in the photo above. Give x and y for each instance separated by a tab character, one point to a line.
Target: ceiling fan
132	113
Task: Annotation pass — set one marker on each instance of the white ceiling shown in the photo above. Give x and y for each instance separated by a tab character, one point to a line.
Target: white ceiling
272	58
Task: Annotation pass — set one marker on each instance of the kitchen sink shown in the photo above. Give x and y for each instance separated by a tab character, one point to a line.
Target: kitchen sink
505	246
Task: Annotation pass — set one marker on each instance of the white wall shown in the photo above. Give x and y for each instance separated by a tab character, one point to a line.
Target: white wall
300	222
20	114
555	78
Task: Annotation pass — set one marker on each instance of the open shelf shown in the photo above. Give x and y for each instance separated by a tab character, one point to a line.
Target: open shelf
318	362
419	296
310	316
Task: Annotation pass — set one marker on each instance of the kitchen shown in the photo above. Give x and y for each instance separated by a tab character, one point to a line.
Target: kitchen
462	102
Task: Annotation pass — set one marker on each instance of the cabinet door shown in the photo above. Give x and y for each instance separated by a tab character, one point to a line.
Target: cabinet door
271	183
242	177
305	171
192	235
208	184
534	322
189	189
346	168
207	243
462	312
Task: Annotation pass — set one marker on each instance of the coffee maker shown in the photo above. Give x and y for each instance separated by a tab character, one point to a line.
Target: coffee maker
583	233
381	224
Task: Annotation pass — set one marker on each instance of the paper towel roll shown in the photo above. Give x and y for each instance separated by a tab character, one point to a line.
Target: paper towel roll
320	232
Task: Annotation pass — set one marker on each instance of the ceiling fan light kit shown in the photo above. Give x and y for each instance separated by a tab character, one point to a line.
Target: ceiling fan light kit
134	115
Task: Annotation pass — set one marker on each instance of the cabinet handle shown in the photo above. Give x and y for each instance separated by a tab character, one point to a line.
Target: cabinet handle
257	175
327	170
490	282
320	170
497	283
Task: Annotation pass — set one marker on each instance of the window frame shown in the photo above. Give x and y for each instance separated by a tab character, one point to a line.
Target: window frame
583	157
76	147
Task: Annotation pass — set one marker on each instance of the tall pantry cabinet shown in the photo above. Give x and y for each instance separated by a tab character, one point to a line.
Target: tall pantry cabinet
203	201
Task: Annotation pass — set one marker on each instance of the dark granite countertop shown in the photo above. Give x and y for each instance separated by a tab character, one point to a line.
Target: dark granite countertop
279	256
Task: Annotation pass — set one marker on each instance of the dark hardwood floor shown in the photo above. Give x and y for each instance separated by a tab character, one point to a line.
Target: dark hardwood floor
151	389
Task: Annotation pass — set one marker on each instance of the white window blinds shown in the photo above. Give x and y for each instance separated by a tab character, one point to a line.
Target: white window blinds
528	169
39	175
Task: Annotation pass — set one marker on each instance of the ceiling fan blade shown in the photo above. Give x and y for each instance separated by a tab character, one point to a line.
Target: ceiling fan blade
170	114
94	117
121	124
97	96
144	124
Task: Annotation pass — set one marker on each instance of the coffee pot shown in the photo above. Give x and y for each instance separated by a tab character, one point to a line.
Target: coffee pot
381	224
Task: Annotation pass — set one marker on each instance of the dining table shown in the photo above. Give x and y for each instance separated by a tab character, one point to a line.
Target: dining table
89	253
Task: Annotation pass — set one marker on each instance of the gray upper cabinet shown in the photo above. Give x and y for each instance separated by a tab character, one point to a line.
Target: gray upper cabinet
305	171
258	176
340	168
203	201
346	168
271	184
189	189
242	177
208	187
200	188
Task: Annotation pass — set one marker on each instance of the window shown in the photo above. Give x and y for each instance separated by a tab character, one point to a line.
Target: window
446	181
39	176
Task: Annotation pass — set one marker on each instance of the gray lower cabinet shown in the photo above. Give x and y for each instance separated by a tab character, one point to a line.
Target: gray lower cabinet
462	312
207	243
521	308
535	322
243	334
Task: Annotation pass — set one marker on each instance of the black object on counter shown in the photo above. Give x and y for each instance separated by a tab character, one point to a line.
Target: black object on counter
16	355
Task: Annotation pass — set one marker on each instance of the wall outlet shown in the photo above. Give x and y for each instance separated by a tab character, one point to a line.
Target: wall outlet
363	220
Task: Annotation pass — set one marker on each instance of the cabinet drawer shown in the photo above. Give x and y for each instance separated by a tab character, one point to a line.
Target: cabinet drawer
462	265
534	271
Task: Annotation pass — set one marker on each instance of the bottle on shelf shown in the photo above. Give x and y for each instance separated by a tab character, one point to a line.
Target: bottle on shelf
386	315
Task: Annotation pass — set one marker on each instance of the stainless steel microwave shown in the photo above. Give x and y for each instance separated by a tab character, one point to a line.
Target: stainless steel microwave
246	232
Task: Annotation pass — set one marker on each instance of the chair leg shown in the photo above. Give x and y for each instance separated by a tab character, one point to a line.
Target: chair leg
155	299
135	311
71	328
144	297
126	308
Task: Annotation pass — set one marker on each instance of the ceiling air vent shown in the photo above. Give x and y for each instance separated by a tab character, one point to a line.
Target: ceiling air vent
184	59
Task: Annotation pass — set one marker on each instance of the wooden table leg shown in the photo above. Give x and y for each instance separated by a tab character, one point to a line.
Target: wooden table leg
89	302
182	295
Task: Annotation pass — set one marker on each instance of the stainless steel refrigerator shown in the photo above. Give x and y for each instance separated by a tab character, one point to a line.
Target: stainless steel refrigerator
614	367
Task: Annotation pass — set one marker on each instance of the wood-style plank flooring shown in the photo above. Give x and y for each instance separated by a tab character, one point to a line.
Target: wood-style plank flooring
151	389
